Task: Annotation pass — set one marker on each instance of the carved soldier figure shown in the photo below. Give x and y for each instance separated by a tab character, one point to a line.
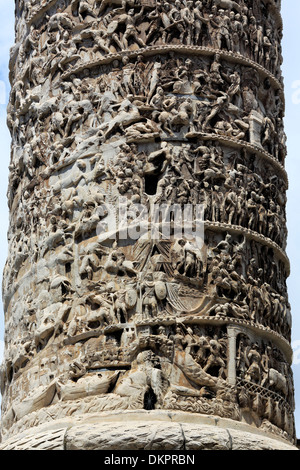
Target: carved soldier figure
130	21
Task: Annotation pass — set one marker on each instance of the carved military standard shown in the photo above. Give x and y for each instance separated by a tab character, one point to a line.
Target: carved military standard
145	287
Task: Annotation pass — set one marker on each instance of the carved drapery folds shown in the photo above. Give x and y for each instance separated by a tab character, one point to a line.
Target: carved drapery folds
123	105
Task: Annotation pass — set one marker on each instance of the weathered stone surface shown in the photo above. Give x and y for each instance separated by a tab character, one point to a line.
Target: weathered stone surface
134	433
137	436
249	441
206	438
147	266
35	440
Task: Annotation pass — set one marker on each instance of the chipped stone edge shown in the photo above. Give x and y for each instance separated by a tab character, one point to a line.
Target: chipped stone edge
211	430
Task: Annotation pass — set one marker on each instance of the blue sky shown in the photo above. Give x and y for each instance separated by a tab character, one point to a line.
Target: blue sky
291	72
6	41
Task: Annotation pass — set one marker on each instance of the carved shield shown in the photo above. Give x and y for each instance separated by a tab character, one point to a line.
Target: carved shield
131	298
160	290
112	27
148	3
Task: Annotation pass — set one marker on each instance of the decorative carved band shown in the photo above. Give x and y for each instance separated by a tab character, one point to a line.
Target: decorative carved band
150	51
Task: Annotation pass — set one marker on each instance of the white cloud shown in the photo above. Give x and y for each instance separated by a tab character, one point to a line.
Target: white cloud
296	351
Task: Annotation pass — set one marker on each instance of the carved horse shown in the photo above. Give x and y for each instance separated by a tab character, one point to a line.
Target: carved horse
121	309
120	3
228	5
278	381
